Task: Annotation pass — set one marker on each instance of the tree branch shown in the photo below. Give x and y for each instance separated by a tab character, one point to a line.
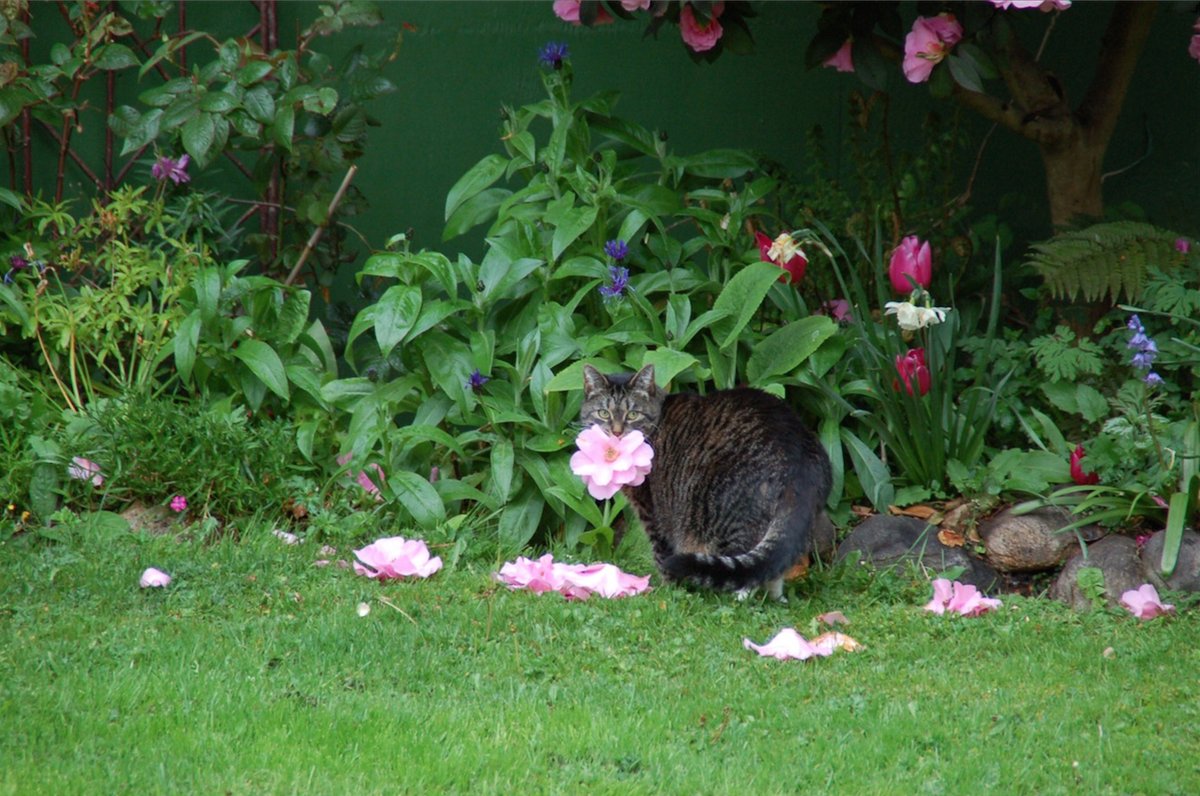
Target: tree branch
1120	48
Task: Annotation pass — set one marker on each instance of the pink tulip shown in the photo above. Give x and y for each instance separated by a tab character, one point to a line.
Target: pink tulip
1077	473
1144	603
701	38
929	41
606	462
912	258
841	60
912	366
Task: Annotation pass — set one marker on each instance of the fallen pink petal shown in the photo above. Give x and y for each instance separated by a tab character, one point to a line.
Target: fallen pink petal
396	557
959	598
832	618
85	470
1144	602
285	537
790	645
154	579
573	581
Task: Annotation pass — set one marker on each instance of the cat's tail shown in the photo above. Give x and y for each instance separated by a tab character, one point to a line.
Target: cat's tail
788	537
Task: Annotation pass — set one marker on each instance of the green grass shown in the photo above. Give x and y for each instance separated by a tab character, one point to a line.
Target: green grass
253	674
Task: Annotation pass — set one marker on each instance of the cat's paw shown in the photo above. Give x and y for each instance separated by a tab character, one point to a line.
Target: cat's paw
741	595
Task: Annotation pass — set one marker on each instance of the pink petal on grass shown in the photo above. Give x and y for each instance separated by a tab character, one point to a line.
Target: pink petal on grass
960	598
285	537
85	470
154	578
1144	603
396	557
832	618
573	581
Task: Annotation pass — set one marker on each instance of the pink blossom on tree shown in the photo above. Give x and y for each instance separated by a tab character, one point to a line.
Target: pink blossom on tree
1194	46
1041	5
701	38
635	5
568	11
929	41
841	60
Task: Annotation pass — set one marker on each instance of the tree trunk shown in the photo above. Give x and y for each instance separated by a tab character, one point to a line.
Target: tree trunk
1073	180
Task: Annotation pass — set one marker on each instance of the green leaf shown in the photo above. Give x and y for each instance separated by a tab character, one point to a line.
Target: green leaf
785	349
397	311
253	72
474	211
284	125
569	226
260	104
218	102
667	364
207	285
477	178
418	497
265	364
1177	517
502	469
872	473
741	299
198	136
519	521
964	72
187	337
110	57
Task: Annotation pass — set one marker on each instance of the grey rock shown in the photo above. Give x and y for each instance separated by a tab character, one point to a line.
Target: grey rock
883	541
1117	557
1028	542
1186	575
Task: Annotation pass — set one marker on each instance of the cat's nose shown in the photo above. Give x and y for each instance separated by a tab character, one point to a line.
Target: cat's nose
618	428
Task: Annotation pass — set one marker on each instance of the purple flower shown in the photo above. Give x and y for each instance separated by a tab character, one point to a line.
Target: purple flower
18	262
476	380
1183	245
616	249
619	276
179	504
174	170
1152	379
553	54
1145	351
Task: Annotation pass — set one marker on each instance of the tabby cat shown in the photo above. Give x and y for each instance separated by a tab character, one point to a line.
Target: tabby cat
736	482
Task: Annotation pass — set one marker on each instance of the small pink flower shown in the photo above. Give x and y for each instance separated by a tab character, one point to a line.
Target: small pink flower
784	252
929	41
914	258
1144	603
1077	473
362	479
179	504
842	60
154	579
838	309
166	168
396	557
1042	5
1183	245
85	470
911	367
635	5
606	463
960	598
701	38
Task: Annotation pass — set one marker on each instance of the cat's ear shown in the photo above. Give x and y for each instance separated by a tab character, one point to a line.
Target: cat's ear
644	380
593	381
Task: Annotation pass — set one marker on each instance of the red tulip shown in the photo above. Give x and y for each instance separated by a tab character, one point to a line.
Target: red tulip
1077	473
784	252
910	366
911	258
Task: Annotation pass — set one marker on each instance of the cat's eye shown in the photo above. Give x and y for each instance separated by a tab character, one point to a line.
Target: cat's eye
603	414
633	415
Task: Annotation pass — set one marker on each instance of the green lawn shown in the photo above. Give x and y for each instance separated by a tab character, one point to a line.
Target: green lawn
253	674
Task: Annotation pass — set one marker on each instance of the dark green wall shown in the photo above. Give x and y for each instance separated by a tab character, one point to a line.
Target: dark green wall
466	59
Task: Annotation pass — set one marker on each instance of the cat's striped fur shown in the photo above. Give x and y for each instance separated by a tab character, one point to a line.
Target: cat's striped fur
736	482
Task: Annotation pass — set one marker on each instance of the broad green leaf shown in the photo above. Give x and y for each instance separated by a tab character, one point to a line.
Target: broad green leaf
418	497
187	337
284	125
365	320
218	102
260	104
570	225
872	473
667	364
502	468
474	211
741	299
198	136
477	178
113	56
519	521
785	349
265	364
396	312
208	293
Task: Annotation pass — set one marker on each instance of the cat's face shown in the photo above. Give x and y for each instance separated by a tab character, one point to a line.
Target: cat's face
621	402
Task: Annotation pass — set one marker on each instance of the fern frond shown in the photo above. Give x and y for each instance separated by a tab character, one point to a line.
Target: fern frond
1104	261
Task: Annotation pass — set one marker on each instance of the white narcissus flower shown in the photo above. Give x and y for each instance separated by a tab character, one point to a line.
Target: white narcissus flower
911	317
783	248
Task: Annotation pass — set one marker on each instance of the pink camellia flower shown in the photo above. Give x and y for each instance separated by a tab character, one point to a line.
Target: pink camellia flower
179	504
607	463
396	557
568	11
573	581
911	366
790	645
929	41
85	470
959	598
154	579
1144	603
1077	473
842	60
1194	44
635	5
912	258
784	252
701	38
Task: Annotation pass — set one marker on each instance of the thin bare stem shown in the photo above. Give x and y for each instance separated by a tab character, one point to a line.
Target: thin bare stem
315	237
